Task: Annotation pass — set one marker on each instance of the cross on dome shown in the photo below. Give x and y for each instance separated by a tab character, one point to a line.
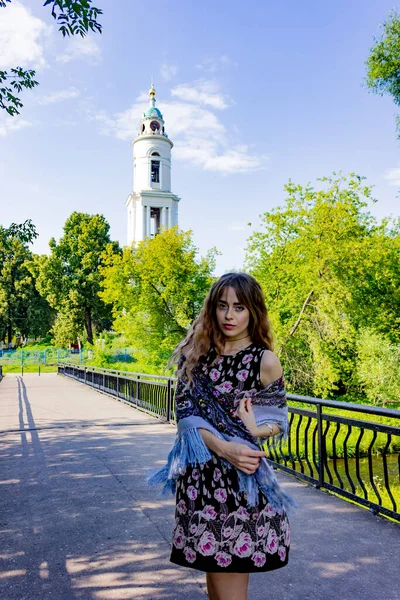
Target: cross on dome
152	93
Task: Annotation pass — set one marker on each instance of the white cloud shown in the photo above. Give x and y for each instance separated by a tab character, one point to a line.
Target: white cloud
168	72
200	138
143	98
202	92
21	37
213	65
393	176
72	92
81	48
8	123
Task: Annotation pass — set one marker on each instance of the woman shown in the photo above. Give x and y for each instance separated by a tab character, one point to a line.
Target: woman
231	515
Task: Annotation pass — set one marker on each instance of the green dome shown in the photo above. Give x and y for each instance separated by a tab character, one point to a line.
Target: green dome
153	112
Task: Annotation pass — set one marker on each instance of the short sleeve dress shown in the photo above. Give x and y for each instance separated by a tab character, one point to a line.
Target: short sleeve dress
215	530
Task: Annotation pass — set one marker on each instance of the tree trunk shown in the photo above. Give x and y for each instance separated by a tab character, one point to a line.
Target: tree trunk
88	325
9	335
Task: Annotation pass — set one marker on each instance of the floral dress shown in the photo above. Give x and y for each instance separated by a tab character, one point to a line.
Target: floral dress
215	530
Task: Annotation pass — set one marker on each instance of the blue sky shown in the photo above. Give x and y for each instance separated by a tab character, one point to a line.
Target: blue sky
252	94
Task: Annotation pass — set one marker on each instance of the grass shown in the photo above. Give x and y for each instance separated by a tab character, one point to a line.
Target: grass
36	346
16	368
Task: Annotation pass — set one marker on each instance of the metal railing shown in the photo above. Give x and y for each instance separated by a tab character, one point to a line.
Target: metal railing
152	393
352	450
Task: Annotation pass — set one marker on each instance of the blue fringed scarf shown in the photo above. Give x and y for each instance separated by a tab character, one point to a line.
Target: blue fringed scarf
203	406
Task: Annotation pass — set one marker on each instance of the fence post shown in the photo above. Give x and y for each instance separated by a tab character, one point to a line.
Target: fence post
321	448
169	400
137	388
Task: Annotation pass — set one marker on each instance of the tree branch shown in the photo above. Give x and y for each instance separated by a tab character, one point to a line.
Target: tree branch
167	308
306	301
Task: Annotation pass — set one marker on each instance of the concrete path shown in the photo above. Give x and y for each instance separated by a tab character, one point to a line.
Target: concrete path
78	521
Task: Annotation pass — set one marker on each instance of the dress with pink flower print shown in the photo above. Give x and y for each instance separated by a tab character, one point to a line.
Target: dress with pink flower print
215	530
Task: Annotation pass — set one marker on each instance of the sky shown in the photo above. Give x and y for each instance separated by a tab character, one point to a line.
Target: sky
252	94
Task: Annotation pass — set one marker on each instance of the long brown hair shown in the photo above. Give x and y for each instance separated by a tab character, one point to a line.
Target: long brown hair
205	332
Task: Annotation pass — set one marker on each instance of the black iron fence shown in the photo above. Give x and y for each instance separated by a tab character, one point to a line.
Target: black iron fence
352	450
152	393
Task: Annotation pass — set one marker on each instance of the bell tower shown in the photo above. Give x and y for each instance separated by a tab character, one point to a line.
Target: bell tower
151	206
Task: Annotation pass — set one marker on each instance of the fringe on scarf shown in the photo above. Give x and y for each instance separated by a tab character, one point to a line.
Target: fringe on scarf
190	449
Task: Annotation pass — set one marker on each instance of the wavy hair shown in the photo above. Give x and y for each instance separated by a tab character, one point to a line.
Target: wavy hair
205	332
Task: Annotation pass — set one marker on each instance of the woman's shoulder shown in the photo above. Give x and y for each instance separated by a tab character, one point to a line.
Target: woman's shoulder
270	368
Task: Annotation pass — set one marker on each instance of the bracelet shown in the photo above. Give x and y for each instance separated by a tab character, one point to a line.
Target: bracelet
270	428
260	441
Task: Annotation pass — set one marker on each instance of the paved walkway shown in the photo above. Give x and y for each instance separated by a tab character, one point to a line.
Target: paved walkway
78	521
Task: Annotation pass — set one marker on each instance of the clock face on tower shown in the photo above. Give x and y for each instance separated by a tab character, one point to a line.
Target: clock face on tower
155	126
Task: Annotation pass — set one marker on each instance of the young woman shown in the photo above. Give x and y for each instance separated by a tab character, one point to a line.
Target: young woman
231	516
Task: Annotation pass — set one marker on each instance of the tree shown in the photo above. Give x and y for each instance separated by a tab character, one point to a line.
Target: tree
156	291
70	277
21	307
373	275
378	367
328	269
67	328
383	63
74	17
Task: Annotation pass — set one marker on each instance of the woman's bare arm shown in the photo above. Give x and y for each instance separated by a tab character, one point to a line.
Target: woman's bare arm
239	455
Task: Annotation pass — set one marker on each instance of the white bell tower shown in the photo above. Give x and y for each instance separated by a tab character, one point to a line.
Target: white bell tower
151	206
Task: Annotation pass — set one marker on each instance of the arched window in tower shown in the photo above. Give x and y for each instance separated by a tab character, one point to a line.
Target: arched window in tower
143	127
155	171
155	154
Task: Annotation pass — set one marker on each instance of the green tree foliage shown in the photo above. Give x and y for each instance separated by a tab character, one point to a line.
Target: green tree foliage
373	275
67	327
22	310
378	367
12	83
74	17
70	277
383	63
328	269
156	291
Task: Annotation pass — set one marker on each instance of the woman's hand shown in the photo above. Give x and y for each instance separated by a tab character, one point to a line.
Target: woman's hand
242	457
239	455
246	415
